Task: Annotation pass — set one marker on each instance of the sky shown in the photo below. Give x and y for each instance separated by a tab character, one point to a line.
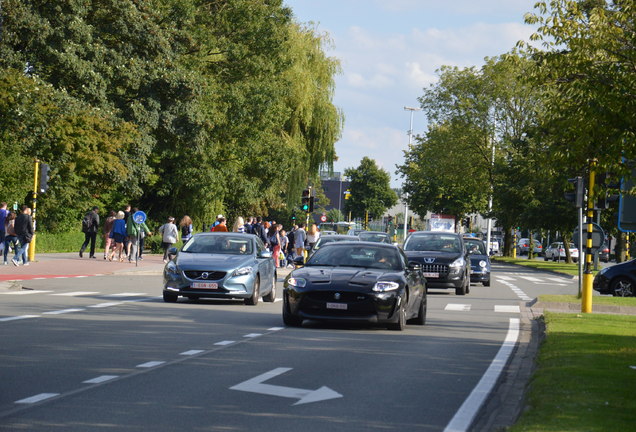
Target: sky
390	50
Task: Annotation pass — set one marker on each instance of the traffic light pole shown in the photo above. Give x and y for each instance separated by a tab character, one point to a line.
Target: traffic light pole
35	201
586	298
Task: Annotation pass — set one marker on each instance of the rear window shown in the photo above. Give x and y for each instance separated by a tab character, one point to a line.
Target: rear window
433	242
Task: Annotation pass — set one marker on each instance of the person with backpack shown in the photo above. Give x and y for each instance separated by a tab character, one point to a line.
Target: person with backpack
90	227
259	230
186	228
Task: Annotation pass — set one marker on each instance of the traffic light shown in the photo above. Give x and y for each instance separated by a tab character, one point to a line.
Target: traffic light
306	203
607	181
44	178
311	204
578	196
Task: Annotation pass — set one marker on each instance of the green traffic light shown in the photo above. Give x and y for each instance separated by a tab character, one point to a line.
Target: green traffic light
305	207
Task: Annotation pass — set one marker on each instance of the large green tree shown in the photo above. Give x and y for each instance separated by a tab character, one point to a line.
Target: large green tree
370	190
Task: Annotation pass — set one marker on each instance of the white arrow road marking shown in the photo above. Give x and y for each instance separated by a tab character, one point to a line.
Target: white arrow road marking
255	385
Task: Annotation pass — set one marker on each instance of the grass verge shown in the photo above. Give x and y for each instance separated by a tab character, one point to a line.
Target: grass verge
604	300
558	267
585	377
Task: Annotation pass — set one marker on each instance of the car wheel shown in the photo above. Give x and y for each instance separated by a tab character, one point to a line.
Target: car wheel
253	300
461	290
623	287
289	319
420	319
467	284
486	283
170	298
269	298
401	321
545	258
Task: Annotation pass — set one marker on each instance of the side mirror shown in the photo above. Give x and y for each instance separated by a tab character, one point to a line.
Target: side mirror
265	254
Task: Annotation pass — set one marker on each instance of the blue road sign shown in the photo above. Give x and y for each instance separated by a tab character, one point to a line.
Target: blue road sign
139	217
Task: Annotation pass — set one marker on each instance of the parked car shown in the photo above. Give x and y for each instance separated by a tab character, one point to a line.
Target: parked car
556	251
327	232
618	280
603	253
355	231
220	265
479	261
323	240
523	246
443	257
375	236
356	281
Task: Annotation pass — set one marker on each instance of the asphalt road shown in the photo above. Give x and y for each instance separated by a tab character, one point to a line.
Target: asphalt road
106	353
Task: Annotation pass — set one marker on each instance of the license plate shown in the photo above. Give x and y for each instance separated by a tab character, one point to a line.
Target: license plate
205	285
431	275
341	306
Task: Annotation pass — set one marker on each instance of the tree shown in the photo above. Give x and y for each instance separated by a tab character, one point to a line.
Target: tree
370	190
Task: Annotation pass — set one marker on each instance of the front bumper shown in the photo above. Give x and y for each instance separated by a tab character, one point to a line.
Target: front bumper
231	287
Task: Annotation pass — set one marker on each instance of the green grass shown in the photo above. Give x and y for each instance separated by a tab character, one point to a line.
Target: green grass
604	300
584	380
558	267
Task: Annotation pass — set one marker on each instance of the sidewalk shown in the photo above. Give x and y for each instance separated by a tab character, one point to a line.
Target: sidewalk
71	265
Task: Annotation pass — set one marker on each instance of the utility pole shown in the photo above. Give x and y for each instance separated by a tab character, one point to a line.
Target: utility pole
406	206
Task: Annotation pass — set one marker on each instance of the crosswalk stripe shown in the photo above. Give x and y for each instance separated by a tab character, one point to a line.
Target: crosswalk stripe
532	279
126	295
507	309
25	292
457	307
506	278
76	293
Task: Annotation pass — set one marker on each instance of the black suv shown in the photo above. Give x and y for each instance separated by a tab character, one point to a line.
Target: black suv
444	259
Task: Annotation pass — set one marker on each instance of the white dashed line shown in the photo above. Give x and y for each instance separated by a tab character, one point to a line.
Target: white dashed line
531	279
37	398
150	364
226	342
76	293
457	307
63	311
507	309
26	292
100	379
252	335
275	328
191	352
126	295
14	318
506	278
105	305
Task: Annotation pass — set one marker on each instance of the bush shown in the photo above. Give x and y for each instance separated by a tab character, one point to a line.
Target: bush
60	242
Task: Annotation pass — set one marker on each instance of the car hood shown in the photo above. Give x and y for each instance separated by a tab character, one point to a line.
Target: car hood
437	257
192	261
344	277
475	258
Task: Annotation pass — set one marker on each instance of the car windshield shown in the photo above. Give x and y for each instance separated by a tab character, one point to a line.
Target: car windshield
214	244
345	255
433	242
374	237
475	246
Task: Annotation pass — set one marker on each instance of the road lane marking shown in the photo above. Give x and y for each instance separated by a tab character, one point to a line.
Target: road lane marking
14	318
63	311
191	352
457	307
522	295
275	328
126	295
255	385
150	364
105	305
531	279
464	417
100	379
225	342
507	308
76	293
506	278
252	335
37	398
26	292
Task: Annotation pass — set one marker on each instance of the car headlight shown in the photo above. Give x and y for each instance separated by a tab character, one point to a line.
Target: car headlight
171	268
457	265
483	264
242	271
297	282
385	286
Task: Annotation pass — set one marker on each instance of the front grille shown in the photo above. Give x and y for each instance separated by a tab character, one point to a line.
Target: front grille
442	269
329	296
358	304
197	275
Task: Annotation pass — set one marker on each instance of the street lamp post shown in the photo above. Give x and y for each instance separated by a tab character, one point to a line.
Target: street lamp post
410	132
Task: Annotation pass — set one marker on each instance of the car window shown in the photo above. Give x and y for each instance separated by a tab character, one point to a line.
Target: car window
475	246
218	245
434	242
359	256
374	237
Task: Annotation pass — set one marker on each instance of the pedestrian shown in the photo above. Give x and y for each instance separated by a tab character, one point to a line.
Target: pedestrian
3	217
221	226
133	231
90	227
239	225
10	237
259	230
186	228
299	240
216	222
24	231
169	236
118	234
248	228
274	242
108	227
284	244
313	234
127	211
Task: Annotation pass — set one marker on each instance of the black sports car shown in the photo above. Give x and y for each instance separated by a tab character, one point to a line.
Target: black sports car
356	281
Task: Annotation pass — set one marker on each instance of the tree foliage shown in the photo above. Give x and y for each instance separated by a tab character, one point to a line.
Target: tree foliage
370	190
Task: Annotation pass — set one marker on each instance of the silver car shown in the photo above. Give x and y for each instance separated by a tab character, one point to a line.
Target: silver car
556	251
221	265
